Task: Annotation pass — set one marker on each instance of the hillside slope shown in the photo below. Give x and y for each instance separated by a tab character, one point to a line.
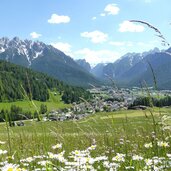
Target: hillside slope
18	83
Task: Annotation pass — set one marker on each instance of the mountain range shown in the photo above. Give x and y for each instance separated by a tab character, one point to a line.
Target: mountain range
135	69
132	69
45	58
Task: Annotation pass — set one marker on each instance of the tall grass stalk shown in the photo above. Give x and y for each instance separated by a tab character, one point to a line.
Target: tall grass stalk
8	133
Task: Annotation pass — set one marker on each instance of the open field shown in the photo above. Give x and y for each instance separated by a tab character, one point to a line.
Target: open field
54	102
124	132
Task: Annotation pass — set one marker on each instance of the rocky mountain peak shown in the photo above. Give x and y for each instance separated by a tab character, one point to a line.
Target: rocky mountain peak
44	58
17	47
83	63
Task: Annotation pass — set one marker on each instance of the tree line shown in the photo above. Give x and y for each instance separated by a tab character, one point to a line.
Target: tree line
153	101
16	113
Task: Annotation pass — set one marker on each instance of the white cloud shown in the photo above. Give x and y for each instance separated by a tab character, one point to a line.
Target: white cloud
112	9
103	14
127	26
95	36
35	35
94	18
97	56
64	47
57	19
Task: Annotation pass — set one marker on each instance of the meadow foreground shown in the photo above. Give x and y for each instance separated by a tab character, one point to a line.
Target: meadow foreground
122	140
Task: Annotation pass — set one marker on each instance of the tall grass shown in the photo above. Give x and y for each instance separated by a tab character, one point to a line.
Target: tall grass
117	141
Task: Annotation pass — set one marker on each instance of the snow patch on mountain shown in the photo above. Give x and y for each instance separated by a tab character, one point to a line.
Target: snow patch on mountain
26	48
37	54
2	50
168	53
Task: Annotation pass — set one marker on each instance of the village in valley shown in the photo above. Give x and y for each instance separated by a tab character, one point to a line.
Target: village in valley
105	99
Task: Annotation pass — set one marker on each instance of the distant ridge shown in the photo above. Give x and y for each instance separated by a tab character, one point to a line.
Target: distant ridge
84	64
133	69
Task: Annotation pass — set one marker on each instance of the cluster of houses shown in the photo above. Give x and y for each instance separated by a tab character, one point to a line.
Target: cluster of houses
64	115
105	99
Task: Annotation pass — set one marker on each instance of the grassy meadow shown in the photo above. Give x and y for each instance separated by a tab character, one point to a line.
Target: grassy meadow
54	102
121	140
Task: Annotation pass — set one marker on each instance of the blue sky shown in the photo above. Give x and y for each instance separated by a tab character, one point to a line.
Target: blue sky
97	30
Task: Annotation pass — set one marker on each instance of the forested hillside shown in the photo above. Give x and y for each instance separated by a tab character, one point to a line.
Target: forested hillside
18	83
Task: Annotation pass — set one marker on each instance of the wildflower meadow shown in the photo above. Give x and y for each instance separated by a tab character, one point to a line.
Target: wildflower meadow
122	140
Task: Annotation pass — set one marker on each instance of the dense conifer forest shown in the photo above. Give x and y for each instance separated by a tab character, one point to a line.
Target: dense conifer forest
19	83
